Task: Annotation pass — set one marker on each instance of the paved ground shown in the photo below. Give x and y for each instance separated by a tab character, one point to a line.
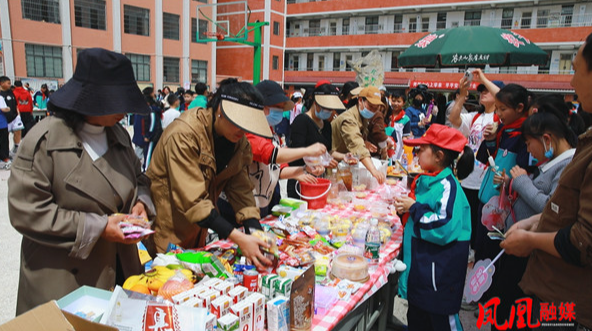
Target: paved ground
10	242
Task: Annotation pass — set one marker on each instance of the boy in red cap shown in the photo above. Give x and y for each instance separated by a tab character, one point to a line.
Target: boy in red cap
437	231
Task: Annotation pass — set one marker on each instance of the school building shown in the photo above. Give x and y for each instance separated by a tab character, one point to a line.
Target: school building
305	40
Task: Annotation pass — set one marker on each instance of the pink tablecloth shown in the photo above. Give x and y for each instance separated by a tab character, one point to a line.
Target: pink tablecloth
378	274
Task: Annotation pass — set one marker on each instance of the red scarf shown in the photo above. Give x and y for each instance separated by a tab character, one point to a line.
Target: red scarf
397	118
514	126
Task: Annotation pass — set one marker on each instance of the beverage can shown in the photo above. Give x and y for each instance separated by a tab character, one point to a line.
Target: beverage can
250	278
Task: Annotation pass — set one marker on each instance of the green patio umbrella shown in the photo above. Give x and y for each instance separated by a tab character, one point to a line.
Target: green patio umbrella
472	46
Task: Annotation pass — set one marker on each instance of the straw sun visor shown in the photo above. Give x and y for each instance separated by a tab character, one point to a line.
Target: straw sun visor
329	100
247	115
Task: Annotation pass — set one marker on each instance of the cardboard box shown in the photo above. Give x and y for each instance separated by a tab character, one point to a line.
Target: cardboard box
49	317
86	302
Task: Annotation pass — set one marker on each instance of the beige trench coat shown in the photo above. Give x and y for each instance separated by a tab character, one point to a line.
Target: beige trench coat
59	199
185	186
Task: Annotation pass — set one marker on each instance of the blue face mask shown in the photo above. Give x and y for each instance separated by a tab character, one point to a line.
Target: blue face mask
367	114
548	153
324	114
275	117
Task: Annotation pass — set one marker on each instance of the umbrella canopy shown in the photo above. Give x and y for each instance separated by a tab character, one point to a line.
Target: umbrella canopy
472	46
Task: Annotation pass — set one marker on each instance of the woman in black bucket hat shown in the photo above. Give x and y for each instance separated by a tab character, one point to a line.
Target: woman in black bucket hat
73	173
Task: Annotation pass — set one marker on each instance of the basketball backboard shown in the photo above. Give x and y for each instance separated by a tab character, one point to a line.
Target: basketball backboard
223	21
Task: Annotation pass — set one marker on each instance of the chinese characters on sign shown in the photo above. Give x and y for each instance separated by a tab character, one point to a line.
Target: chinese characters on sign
521	314
440	84
469	58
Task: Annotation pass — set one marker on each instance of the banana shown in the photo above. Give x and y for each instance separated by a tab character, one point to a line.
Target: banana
131	281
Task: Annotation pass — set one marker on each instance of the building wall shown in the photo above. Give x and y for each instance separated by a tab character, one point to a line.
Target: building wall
25	31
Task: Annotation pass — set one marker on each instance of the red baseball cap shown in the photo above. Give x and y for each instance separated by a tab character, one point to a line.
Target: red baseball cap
441	136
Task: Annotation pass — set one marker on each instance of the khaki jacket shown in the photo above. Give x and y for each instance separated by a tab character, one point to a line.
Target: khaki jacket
550	278
349	132
59	200
185	186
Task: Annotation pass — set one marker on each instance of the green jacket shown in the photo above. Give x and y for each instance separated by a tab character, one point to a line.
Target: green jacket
436	244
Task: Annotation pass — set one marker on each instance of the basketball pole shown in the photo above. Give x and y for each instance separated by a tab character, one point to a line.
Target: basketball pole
256	43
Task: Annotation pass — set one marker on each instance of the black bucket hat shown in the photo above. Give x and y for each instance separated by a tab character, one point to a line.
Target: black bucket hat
103	84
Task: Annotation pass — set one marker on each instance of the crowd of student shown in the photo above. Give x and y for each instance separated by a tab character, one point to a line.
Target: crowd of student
212	160
17	103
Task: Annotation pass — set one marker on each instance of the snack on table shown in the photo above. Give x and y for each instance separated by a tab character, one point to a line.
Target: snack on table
349	266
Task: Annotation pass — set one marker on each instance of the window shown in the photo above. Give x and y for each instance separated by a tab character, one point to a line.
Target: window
336	61
136	20
412	24
473	18
542	18
199	71
348	59
90	14
41	10
321	63
441	21
309	61
526	19
141	65
204	1
507	17
394	59
275	62
565	63
296	62
345	27
314	27
170	66
371	24
398	27
566	15
333	28
425	24
170	26
43	61
276	28
203	28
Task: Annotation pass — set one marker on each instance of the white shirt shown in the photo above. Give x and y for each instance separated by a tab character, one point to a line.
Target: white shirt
474	133
94	140
169	116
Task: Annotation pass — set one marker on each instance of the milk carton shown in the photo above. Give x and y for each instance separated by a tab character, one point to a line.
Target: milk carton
258	301
244	311
278	314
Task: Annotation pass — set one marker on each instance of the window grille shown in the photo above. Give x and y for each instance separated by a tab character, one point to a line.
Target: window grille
41	10
136	20
170	26
199	71
141	66
90	14
171	69
43	61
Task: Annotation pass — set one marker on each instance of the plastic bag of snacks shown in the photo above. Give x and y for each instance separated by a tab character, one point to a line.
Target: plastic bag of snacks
124	313
135	227
204	263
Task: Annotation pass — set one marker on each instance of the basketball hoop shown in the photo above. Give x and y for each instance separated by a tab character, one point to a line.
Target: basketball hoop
218	35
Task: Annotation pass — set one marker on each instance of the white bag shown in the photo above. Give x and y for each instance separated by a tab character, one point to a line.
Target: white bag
400	309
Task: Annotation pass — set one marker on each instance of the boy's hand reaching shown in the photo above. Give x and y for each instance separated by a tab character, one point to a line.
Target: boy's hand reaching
403	204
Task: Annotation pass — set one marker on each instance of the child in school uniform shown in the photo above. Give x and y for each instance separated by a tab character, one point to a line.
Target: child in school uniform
437	232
